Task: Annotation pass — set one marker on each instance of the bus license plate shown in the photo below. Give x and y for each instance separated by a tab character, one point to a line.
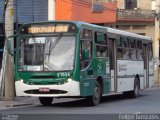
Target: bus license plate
44	89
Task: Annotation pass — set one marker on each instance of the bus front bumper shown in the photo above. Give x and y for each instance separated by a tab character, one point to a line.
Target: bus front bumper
71	88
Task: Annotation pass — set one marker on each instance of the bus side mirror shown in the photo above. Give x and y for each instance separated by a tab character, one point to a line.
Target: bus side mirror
85	54
10	50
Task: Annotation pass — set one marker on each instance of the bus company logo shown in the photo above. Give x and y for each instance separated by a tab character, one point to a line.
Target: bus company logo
122	67
99	68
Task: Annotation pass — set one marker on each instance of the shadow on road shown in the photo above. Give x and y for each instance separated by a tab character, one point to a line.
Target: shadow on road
83	102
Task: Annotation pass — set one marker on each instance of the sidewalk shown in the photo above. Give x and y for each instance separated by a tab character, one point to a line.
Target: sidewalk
19	101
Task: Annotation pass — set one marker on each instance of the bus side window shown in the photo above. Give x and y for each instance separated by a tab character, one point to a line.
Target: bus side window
85	48
139	49
101	45
119	48
126	54
133	49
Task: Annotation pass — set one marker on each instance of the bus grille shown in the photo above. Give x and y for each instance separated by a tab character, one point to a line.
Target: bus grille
50	92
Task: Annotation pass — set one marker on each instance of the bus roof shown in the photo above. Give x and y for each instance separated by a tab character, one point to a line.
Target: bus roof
114	31
120	32
110	30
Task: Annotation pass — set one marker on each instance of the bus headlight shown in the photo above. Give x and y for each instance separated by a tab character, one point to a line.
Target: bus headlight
69	80
21	80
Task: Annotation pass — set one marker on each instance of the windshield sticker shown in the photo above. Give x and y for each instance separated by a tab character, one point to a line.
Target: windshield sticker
40	40
34	68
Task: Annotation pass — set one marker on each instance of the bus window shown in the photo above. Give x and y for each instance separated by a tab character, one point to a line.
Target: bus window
86	34
101	46
119	48
133	49
139	49
85	48
125	43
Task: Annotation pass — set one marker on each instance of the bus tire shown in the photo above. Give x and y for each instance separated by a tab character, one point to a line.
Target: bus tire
94	99
46	100
135	92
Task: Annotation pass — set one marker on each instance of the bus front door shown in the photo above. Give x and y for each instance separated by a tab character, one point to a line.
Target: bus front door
112	59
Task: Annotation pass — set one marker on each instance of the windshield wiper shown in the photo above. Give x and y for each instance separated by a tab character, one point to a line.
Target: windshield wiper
52	45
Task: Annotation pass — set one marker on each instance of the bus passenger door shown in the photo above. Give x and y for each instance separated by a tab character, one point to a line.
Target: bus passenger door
112	59
146	66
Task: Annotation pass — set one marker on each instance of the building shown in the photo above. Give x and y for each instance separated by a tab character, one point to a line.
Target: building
24	11
137	16
91	11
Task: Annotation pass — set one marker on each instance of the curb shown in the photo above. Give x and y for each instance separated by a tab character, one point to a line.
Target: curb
19	105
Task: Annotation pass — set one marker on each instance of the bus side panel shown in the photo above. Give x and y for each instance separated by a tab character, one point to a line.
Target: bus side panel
106	86
87	87
126	72
88	78
98	69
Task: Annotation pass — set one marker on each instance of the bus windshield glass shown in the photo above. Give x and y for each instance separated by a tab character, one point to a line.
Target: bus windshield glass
53	53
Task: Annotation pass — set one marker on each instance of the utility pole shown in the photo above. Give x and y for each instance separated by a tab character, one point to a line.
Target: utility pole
9	66
156	42
51	9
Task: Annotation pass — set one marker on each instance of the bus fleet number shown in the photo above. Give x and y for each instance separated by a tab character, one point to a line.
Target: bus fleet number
63	74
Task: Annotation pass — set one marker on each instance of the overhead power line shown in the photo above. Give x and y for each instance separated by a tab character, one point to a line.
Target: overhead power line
87	5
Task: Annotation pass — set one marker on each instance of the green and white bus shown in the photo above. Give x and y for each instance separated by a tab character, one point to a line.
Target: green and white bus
77	59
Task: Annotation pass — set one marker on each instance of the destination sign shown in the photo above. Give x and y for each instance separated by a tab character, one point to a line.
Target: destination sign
48	28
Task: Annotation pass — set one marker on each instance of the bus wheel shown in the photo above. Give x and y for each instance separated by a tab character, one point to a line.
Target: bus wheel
46	100
135	92
95	98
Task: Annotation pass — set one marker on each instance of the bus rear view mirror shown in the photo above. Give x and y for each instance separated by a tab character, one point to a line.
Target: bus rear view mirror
85	54
9	46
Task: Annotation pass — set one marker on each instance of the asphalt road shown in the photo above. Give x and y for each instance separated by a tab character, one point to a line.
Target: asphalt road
147	103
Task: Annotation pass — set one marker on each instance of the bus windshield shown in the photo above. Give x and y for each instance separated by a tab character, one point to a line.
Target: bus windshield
55	53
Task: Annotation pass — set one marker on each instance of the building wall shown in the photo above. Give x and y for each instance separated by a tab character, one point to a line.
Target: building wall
120	4
32	10
82	11
144	28
63	10
139	25
1	10
141	28
143	4
28	10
